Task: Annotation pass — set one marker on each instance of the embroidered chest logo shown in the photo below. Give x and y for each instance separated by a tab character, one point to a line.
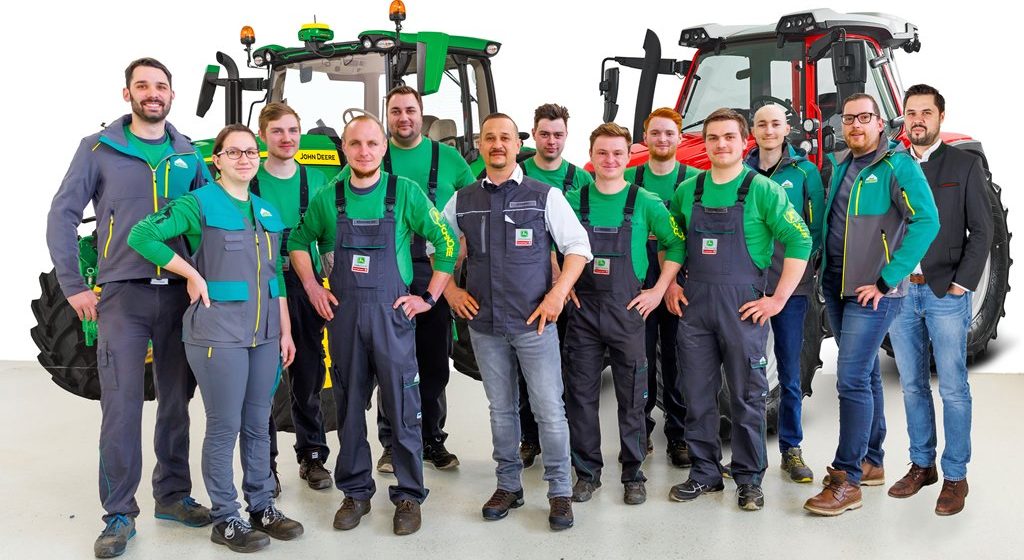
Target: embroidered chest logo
602	266
360	264
265	213
524	237
871	179
709	247
178	162
787	184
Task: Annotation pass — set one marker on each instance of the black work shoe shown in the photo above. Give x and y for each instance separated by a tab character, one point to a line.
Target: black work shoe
634	493
437	455
560	517
115	536
384	465
274	523
691	490
239	536
407	517
315	474
750	497
351	511
583	490
793	463
185	511
528	451
277	485
679	454
500	502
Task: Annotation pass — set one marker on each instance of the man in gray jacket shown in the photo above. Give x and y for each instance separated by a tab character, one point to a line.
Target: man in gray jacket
131	169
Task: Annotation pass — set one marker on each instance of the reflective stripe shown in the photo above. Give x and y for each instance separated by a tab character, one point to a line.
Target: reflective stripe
110	234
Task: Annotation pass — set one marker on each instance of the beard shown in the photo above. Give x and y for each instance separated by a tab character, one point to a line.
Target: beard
926	140
138	111
364	175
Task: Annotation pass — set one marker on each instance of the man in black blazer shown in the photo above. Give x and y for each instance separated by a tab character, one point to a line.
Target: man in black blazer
938	305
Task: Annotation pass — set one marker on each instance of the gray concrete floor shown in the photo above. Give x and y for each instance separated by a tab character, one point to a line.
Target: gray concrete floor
48	465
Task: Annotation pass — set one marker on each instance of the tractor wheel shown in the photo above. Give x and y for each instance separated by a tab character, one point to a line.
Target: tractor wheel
988	300
61	342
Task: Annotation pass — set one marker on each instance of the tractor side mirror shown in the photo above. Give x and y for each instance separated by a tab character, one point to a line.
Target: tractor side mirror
610	90
848	63
524	136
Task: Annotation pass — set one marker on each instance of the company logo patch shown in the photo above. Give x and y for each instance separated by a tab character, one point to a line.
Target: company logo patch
709	247
871	179
787	184
265	213
178	162
360	264
602	266
524	238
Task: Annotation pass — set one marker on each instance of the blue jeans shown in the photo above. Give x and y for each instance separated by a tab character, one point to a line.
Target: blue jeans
945	322
788	330
859	332
541	364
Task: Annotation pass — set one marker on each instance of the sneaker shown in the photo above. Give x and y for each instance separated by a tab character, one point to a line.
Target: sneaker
239	536
185	511
726	470
560	516
528	451
750	497
839	496
407	517
277	485
115	536
274	523
634	493
316	475
679	454
952	497
914	481
691	490
384	465
500	502
441	458
583	490
350	513
870	475
793	463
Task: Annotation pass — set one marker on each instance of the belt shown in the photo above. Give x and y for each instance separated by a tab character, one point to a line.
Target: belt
156	281
917	279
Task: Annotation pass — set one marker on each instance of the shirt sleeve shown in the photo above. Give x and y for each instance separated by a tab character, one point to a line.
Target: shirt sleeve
149	236
75	192
450	217
816	197
676	213
424	219
465	176
923	218
565	227
783	220
665	228
318	225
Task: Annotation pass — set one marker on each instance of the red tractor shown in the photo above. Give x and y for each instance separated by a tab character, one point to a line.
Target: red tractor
807	62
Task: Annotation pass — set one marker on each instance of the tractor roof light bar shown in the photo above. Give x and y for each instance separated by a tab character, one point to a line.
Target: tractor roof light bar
702	38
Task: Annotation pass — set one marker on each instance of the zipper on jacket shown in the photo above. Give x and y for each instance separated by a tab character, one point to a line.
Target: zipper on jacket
885	246
259	289
110	234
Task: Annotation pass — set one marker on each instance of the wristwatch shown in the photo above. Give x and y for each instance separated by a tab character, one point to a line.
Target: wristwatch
429	298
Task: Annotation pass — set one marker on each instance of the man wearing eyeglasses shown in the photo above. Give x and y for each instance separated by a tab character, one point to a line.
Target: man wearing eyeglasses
130	169
880	220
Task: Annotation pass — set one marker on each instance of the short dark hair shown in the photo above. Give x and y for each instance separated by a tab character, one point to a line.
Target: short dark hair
611	130
218	142
857	96
925	89
551	112
726	114
404	90
496	116
145	61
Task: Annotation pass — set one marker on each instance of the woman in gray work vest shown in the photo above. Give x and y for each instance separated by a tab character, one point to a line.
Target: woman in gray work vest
236	331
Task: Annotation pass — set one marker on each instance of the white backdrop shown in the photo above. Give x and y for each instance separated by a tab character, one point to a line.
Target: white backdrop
67	66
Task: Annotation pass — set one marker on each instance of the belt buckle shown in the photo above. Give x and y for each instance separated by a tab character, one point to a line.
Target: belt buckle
159	281
917	279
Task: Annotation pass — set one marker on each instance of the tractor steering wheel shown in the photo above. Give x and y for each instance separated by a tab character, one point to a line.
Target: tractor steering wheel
351	113
765	100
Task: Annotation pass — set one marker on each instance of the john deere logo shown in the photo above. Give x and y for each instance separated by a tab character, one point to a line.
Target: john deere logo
602	266
709	247
871	179
360	264
524	237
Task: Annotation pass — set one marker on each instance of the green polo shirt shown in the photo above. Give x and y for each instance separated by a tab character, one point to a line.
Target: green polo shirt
556	177
662	185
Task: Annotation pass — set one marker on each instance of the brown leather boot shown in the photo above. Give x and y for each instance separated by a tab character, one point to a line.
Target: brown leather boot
951	498
839	496
407	517
914	481
870	475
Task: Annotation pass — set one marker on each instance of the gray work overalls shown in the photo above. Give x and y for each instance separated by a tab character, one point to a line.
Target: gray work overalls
720	278
370	340
602	323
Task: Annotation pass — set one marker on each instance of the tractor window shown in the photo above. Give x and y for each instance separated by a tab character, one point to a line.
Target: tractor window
744	76
325	88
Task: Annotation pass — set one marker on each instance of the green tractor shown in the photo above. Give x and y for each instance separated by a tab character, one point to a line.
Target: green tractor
327	82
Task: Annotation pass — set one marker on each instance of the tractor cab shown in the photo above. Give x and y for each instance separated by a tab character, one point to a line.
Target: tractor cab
328	82
807	62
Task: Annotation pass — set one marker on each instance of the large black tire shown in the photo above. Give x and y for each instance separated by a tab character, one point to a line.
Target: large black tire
61	342
990	296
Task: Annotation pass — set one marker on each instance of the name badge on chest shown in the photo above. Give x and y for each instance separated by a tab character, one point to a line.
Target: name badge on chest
524	237
602	266
360	264
709	247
